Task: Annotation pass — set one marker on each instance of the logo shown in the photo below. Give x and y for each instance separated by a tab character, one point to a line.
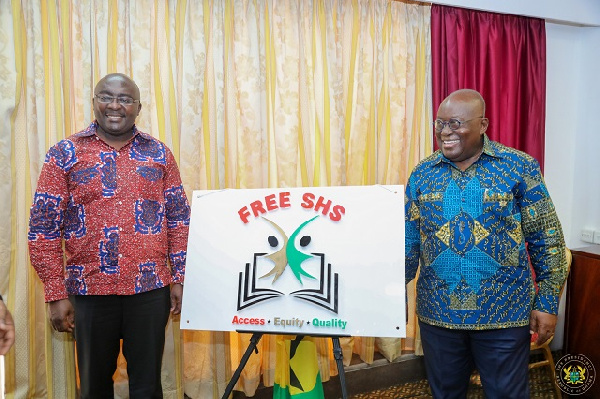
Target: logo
319	287
575	374
288	256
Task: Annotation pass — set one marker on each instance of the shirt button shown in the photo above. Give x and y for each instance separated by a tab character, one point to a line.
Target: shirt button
120	255
120	229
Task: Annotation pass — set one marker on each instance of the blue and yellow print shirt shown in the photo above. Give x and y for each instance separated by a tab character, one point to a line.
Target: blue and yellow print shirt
475	233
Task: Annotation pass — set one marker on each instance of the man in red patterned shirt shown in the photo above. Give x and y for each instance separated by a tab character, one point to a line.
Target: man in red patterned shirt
113	195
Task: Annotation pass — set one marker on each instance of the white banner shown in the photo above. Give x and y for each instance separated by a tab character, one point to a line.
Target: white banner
312	261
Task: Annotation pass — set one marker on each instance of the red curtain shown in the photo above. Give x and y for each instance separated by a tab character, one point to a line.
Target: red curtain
504	58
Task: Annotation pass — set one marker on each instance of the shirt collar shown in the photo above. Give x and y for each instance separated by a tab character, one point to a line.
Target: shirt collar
91	130
488	149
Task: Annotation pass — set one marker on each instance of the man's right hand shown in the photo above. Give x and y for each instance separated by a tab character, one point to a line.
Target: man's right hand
62	315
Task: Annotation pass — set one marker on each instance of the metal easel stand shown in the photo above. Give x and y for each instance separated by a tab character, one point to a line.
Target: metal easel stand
339	359
236	375
252	347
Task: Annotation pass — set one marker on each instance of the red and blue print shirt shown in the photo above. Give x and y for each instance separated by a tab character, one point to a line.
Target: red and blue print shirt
123	216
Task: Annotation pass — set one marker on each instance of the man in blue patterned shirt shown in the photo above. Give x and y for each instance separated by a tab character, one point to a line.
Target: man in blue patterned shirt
477	214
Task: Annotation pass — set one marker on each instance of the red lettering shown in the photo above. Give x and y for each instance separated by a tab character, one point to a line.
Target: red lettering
325	205
248	320
273	202
244	213
308	200
336	213
284	199
257	208
270	202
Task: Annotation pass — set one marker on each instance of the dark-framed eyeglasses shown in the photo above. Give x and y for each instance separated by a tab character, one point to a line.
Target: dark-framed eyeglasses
453	124
102	99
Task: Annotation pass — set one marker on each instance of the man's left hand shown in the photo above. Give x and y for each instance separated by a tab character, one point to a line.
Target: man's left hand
543	324
176	296
7	329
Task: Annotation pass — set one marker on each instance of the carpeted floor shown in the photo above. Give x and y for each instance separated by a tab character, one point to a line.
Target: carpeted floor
540	385
361	379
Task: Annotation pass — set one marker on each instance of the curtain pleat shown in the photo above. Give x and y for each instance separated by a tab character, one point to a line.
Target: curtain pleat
247	94
504	58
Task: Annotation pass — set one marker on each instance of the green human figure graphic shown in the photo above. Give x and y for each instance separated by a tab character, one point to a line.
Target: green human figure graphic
289	254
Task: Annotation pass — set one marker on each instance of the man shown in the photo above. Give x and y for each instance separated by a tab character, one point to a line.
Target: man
113	194
475	211
7	329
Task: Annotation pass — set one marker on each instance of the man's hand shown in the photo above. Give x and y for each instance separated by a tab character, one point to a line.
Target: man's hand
62	315
176	295
543	324
7	329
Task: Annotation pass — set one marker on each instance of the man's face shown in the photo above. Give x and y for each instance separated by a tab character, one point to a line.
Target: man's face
116	119
465	143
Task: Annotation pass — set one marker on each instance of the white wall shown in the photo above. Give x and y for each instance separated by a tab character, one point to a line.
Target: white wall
572	142
572	166
564	80
586	163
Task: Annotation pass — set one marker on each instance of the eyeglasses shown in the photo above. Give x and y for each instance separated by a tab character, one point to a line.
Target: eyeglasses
120	100
453	124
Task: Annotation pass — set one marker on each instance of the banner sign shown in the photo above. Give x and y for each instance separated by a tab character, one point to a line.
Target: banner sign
311	260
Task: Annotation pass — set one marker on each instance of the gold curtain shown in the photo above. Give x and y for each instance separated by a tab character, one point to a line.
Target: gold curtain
247	94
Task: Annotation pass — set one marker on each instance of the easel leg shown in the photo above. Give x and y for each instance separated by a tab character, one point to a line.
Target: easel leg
236	375
339	359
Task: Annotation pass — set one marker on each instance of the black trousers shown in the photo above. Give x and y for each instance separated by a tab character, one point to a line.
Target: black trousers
101	321
501	356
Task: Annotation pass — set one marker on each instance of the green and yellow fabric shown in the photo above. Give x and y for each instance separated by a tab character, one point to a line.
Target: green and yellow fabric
297	370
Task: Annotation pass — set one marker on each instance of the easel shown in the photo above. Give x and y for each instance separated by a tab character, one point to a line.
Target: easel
256	336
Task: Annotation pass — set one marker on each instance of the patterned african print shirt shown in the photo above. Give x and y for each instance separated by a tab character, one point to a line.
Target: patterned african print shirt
472	232
121	214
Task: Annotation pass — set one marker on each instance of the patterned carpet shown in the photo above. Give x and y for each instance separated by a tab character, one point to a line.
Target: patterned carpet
540	385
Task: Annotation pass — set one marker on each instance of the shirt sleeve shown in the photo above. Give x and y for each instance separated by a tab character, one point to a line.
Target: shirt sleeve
178	219
46	222
412	226
544	237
